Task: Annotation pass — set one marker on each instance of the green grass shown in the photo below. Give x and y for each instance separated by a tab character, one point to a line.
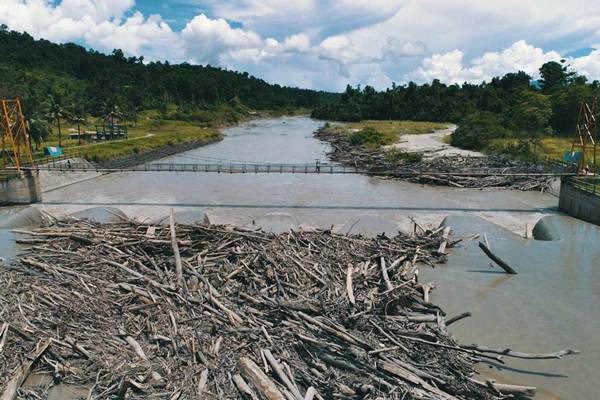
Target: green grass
155	129
170	133
391	129
149	134
549	148
398	156
447	139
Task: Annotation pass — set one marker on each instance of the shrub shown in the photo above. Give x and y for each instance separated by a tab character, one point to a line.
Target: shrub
477	130
523	149
368	136
399	156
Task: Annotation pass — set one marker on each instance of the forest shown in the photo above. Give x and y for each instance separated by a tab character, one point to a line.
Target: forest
70	82
513	106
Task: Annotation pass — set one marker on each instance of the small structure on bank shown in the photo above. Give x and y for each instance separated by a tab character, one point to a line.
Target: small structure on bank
112	128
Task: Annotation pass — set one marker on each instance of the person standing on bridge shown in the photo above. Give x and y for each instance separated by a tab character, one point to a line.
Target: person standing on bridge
318	166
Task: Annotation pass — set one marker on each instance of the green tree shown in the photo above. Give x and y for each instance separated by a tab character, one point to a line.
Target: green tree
77	116
39	130
555	74
566	102
532	113
54	112
478	130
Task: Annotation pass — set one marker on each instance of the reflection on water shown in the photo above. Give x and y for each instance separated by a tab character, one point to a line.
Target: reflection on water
56	392
552	304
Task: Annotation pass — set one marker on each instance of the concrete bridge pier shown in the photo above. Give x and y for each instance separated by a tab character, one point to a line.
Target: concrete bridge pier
23	188
580	199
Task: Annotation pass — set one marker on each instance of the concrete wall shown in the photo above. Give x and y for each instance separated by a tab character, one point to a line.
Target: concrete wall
579	204
24	189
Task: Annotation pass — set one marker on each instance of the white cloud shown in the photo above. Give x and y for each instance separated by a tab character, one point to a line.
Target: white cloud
136	36
588	65
318	18
450	67
206	39
99	10
100	23
328	43
396	49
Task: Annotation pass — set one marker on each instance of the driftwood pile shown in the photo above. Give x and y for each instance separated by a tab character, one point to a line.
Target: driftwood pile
209	312
457	171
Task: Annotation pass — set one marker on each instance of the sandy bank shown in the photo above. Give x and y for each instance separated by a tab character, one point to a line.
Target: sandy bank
432	144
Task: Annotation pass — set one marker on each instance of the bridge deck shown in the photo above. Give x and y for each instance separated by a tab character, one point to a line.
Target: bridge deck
263	168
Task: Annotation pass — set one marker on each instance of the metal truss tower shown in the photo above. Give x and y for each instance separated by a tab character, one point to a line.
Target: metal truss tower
16	146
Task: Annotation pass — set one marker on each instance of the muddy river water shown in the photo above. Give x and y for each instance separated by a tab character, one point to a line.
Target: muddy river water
552	304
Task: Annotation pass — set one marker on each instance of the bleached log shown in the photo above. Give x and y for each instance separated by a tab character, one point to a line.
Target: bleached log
282	375
136	347
21	374
384	274
260	381
176	254
518	354
349	287
527	391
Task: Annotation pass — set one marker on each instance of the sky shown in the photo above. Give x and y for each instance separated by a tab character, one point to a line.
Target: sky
327	44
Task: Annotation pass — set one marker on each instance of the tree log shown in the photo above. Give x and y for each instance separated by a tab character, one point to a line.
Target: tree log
10	391
528	391
175	246
260	381
517	354
497	260
458	318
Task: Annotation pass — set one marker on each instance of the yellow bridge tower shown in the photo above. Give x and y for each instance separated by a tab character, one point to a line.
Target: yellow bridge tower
16	146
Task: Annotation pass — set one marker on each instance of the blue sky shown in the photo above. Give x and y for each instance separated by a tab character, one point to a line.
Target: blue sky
326	44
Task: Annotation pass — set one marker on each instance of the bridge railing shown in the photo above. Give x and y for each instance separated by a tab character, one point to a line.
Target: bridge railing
588	184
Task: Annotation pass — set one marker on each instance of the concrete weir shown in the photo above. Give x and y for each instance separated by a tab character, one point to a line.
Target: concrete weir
24	188
579	203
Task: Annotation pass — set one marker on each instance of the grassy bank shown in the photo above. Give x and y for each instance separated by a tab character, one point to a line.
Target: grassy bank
550	148
376	133
155	129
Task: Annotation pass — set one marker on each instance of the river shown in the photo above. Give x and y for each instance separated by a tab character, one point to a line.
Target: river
553	303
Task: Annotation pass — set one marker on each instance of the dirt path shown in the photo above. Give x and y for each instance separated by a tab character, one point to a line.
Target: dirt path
432	144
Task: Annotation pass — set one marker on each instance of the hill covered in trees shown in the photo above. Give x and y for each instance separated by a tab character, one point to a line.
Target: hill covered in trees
73	75
512	106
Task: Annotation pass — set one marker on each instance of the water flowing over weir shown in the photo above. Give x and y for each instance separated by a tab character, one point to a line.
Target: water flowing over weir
557	289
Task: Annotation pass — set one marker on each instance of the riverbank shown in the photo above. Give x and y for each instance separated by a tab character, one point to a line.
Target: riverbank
154	131
426	155
150	147
158	153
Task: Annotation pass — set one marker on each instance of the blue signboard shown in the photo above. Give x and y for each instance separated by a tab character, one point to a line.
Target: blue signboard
53	151
572	156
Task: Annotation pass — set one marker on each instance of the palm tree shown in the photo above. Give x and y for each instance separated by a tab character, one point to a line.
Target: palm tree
39	130
54	112
77	116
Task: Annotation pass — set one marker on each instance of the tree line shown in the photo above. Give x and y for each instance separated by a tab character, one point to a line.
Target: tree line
56	80
510	106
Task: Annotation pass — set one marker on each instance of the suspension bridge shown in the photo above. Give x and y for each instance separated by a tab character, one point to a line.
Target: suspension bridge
279	168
